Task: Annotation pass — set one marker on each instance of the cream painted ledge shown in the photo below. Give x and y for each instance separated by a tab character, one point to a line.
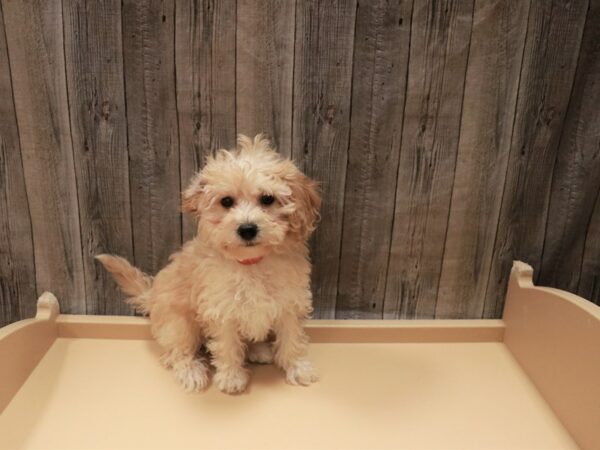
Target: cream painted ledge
553	335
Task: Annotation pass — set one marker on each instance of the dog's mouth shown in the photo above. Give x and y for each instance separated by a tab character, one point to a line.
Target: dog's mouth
242	244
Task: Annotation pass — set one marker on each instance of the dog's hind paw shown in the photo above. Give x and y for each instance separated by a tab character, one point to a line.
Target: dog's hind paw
260	352
301	372
193	374
232	381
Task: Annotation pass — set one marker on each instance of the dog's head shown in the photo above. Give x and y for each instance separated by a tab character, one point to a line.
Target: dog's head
250	201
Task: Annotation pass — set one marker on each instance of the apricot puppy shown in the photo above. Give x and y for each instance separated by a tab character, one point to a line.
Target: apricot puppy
243	277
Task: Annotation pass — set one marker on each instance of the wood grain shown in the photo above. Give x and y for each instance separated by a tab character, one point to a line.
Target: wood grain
34	32
450	137
205	61
436	74
490	96
576	179
17	266
589	282
264	69
549	63
99	132
321	126
148	52
381	45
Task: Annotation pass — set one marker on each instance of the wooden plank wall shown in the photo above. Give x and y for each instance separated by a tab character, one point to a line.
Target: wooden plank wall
450	137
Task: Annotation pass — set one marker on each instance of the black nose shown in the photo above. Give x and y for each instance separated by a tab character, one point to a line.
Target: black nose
247	231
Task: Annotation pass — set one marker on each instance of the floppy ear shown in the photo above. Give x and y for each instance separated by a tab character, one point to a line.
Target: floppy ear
192	196
306	197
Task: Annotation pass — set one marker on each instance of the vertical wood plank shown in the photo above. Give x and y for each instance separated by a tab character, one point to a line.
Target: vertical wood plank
491	86
93	54
34	31
576	179
264	69
205	56
549	62
17	266
321	125
493	154
589	282
381	45
589	70
438	57
148	52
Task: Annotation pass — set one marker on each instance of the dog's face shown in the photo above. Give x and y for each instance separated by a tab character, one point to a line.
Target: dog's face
249	202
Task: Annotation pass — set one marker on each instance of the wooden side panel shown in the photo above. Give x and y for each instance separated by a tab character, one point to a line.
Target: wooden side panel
438	59
321	126
489	102
549	62
381	47
576	179
99	132
205	61
554	337
34	31
17	266
148	51
23	345
264	69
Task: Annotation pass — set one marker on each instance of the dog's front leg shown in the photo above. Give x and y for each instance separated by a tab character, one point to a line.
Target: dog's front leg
228	353
291	348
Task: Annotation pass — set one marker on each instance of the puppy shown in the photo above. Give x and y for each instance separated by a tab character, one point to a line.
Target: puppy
243	278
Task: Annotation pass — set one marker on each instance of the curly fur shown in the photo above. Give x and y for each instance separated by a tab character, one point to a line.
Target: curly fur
204	296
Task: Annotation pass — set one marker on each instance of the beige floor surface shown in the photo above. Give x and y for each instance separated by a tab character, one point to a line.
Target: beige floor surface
88	393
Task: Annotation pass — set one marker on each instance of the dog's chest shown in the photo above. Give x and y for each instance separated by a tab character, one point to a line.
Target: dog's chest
253	303
255	311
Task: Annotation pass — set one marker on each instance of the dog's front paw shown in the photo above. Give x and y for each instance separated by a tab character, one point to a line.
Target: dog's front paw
192	374
301	372
260	352
232	381
167	359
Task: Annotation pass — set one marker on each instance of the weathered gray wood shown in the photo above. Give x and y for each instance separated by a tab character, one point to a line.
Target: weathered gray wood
576	179
589	71
264	69
148	51
381	45
34	32
205	60
449	141
17	266
440	35
321	126
99	133
589	282
549	63
493	70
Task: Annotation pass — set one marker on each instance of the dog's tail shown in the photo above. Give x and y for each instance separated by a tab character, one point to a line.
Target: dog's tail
131	280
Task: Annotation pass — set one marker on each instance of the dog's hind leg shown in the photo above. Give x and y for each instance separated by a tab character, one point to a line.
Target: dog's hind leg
179	335
260	352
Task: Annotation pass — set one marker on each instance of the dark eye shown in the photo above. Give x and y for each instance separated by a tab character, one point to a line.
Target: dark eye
267	199
227	202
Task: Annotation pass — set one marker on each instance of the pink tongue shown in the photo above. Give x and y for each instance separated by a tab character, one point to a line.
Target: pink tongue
251	261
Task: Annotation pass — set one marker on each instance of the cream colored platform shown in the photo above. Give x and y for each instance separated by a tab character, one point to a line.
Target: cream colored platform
421	384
